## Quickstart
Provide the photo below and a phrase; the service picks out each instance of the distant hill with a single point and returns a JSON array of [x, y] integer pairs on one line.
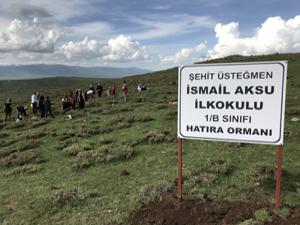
[[12, 72]]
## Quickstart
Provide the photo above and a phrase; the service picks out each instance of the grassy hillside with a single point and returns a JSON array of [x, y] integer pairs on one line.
[[116, 156]]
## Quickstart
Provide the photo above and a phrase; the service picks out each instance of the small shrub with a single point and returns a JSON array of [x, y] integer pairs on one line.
[[126, 109], [116, 152], [283, 212], [27, 168], [152, 193], [116, 119], [196, 177], [66, 143], [249, 222], [88, 132], [28, 145], [19, 159], [143, 118], [121, 126], [161, 106], [18, 147], [4, 135], [292, 111], [2, 125], [264, 174], [65, 136], [219, 166], [171, 116], [130, 119], [38, 123], [70, 197], [77, 148], [5, 143], [81, 164], [16, 125], [34, 135], [290, 134], [106, 141], [158, 136], [263, 216]]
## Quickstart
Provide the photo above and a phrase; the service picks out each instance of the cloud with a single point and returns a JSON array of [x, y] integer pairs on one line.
[[274, 35], [184, 54], [157, 26], [123, 48], [27, 11], [55, 10], [28, 36], [162, 7], [119, 49], [86, 49], [92, 29]]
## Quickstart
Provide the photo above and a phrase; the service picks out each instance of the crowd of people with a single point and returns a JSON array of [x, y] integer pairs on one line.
[[42, 106]]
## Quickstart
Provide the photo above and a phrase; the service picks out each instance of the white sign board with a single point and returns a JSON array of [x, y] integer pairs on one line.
[[238, 102]]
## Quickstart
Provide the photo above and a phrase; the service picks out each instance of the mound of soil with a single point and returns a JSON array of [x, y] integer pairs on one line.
[[294, 219], [124, 173], [171, 211]]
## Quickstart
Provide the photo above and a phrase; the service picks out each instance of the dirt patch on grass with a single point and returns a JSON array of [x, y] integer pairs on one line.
[[294, 219], [169, 211]]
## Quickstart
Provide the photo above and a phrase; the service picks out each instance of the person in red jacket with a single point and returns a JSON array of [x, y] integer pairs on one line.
[[125, 90], [113, 89]]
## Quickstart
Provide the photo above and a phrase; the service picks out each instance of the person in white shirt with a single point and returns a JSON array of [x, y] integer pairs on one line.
[[34, 102]]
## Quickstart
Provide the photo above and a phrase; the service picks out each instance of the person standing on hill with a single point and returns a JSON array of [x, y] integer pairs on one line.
[[7, 109], [108, 91], [81, 99], [41, 106], [72, 100], [125, 90], [92, 89], [113, 89], [99, 89], [34, 102], [47, 107]]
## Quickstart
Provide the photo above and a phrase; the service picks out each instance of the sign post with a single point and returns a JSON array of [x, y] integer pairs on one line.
[[235, 102], [278, 176], [179, 180]]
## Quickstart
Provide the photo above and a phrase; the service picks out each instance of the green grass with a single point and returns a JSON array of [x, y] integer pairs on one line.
[[59, 171]]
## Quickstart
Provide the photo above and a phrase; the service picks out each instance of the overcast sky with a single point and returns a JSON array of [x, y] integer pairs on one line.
[[152, 34]]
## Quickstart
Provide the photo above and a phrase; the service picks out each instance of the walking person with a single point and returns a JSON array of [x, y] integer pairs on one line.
[[125, 90], [113, 89], [41, 106], [108, 91], [72, 100], [47, 107], [99, 89], [34, 102], [7, 109], [81, 99]]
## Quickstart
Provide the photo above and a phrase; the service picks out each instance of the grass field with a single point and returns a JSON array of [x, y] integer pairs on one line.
[[116, 156]]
